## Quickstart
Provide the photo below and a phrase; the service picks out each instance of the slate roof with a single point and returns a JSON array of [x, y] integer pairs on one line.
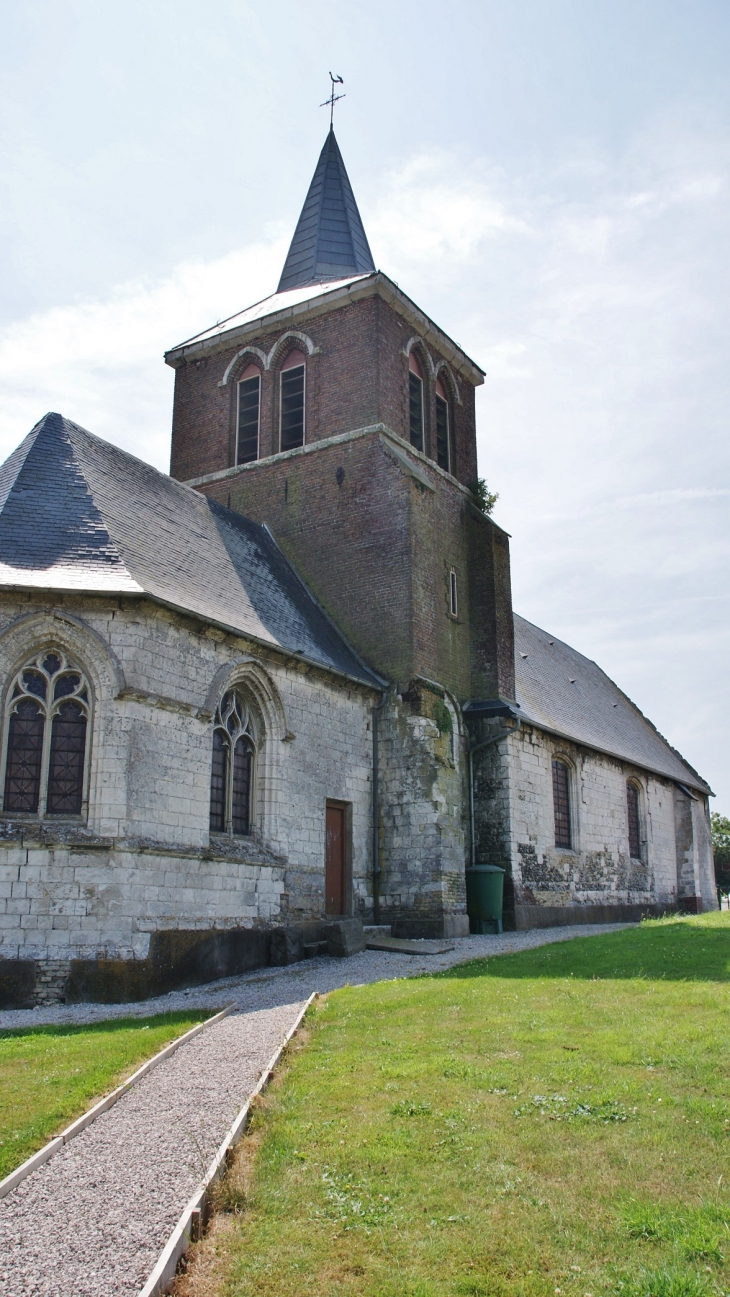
[[560, 690], [78, 514], [329, 241]]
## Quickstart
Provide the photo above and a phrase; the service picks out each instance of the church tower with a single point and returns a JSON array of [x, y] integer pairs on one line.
[[338, 414]]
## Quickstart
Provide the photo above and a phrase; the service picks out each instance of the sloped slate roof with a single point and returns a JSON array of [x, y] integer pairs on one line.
[[77, 513], [329, 241], [560, 690]]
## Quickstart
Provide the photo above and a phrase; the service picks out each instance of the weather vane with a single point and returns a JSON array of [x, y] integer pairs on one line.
[[336, 81]]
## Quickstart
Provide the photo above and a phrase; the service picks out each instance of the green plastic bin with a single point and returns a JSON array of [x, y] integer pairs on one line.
[[484, 895]]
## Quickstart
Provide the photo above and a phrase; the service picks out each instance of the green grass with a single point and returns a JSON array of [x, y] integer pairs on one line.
[[50, 1075], [552, 1121]]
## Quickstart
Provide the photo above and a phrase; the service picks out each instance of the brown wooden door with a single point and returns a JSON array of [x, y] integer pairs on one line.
[[334, 870]]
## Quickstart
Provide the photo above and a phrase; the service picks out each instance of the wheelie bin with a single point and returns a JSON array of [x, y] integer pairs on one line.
[[484, 896]]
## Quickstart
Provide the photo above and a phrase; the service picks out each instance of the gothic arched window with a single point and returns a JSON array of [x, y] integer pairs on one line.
[[46, 738], [633, 814], [415, 402], [292, 394], [561, 804], [232, 771]]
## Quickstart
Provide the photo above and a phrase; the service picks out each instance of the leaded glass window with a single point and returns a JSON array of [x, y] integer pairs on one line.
[[46, 738], [632, 808], [249, 407], [561, 804], [232, 769]]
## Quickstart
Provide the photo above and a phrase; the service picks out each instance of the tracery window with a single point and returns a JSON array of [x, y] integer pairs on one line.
[[292, 394], [46, 738], [415, 402], [632, 809], [561, 804], [442, 427], [232, 770], [249, 415]]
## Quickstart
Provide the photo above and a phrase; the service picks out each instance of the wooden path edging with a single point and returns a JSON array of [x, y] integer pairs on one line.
[[27, 1168], [190, 1225]]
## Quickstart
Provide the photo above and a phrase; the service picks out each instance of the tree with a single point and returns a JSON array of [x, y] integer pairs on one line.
[[721, 849], [484, 499]]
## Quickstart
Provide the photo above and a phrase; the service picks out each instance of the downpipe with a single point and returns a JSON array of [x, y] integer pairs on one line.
[[375, 712], [479, 747]]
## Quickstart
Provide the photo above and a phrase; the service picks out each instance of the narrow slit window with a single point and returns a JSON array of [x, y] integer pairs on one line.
[[442, 427], [561, 804], [415, 403], [292, 401], [632, 807], [249, 416], [453, 594]]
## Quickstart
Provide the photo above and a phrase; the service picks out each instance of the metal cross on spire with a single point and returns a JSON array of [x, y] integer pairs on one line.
[[336, 81]]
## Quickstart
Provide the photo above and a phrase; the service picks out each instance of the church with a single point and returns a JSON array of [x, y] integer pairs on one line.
[[286, 682]]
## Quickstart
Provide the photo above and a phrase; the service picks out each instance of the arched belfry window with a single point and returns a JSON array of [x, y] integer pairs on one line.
[[46, 738], [249, 415], [443, 431], [232, 771], [292, 381], [415, 402]]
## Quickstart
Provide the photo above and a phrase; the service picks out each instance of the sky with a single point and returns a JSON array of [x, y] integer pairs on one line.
[[549, 181]]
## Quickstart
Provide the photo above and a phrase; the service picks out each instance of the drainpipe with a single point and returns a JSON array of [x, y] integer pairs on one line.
[[478, 747], [376, 813]]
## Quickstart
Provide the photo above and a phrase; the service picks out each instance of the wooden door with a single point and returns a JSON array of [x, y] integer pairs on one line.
[[334, 870]]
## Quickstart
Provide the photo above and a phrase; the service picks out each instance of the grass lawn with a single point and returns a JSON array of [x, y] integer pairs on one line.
[[49, 1075], [551, 1122]]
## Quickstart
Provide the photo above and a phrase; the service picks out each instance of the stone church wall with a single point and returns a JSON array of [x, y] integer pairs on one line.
[[596, 880], [423, 821], [144, 861]]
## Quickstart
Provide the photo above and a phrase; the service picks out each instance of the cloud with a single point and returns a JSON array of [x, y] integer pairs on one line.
[[101, 362]]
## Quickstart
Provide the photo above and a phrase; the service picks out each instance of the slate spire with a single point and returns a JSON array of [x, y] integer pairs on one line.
[[329, 241]]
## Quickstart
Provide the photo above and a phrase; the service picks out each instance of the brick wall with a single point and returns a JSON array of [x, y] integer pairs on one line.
[[357, 375]]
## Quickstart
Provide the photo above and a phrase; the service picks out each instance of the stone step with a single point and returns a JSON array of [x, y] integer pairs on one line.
[[313, 949], [376, 930], [404, 946]]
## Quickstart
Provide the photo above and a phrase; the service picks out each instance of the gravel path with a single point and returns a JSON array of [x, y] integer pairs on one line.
[[93, 1220]]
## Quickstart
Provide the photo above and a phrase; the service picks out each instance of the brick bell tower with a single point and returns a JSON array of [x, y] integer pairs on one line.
[[339, 414]]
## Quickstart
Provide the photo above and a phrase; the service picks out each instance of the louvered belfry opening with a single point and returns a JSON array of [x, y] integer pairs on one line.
[[232, 769], [415, 403], [292, 397], [249, 414], [442, 427], [561, 804], [47, 733]]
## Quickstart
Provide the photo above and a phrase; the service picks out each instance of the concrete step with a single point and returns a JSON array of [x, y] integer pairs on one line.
[[376, 930]]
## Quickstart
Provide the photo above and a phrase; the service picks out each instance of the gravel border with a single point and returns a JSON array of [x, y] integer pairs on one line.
[[267, 987]]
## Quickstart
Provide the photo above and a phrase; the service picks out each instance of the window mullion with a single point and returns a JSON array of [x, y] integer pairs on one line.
[[45, 763]]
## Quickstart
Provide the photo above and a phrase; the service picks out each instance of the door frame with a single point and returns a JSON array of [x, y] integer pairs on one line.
[[347, 808]]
